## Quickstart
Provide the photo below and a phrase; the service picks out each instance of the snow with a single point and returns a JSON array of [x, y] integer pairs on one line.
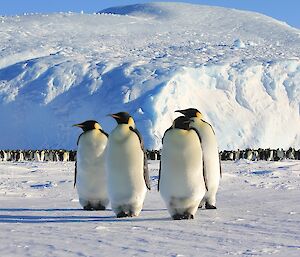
[[240, 69], [258, 215]]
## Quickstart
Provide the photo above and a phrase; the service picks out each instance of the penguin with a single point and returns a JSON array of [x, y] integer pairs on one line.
[[127, 167], [72, 156], [30, 155], [42, 155], [211, 158], [65, 157], [249, 154], [36, 156], [55, 156], [19, 156], [181, 180], [90, 177]]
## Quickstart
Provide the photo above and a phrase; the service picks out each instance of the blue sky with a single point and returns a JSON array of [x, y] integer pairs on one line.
[[284, 10]]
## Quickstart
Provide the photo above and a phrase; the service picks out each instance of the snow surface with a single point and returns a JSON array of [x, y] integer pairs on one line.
[[258, 215], [241, 69]]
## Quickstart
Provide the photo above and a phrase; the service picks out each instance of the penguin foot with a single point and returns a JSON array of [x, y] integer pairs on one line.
[[177, 217], [88, 207], [190, 217], [209, 206], [185, 216], [122, 215], [99, 207], [132, 214]]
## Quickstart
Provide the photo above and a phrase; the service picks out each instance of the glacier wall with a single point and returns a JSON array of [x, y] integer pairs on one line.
[[249, 103]]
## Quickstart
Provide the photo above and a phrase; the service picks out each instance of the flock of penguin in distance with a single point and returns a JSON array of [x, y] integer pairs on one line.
[[114, 168]]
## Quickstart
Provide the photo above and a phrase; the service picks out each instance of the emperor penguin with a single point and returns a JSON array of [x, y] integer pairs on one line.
[[181, 182], [36, 156], [90, 177], [65, 156], [42, 155], [127, 167], [211, 159]]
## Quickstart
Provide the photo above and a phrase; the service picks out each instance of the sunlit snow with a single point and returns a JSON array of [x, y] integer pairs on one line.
[[257, 215]]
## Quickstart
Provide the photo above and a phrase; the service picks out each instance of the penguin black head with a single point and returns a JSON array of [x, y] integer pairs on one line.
[[88, 125], [123, 118], [190, 113], [181, 122]]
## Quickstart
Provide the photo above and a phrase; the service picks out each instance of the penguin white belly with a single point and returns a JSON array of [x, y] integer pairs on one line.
[[91, 176], [42, 157], [125, 173], [37, 156], [211, 160], [66, 156], [181, 179]]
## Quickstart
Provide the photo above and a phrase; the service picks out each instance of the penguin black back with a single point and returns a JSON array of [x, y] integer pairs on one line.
[[181, 122]]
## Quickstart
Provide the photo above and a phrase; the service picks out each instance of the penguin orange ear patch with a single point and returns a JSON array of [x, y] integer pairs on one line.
[[97, 126], [131, 122], [198, 115]]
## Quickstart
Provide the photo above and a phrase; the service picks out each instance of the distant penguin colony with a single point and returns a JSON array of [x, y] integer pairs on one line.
[[225, 155], [38, 155]]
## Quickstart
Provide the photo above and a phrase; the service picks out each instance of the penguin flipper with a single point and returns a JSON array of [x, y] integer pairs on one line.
[[220, 167], [79, 138], [162, 141], [209, 125], [205, 182], [146, 171], [103, 132], [159, 172], [75, 173]]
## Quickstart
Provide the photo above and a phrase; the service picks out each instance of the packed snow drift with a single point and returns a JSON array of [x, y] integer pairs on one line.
[[240, 69]]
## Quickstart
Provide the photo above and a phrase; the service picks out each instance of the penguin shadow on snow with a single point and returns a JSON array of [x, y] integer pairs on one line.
[[8, 218]]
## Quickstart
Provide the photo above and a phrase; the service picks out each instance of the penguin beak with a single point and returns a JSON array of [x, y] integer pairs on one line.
[[78, 125], [115, 116], [180, 111]]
